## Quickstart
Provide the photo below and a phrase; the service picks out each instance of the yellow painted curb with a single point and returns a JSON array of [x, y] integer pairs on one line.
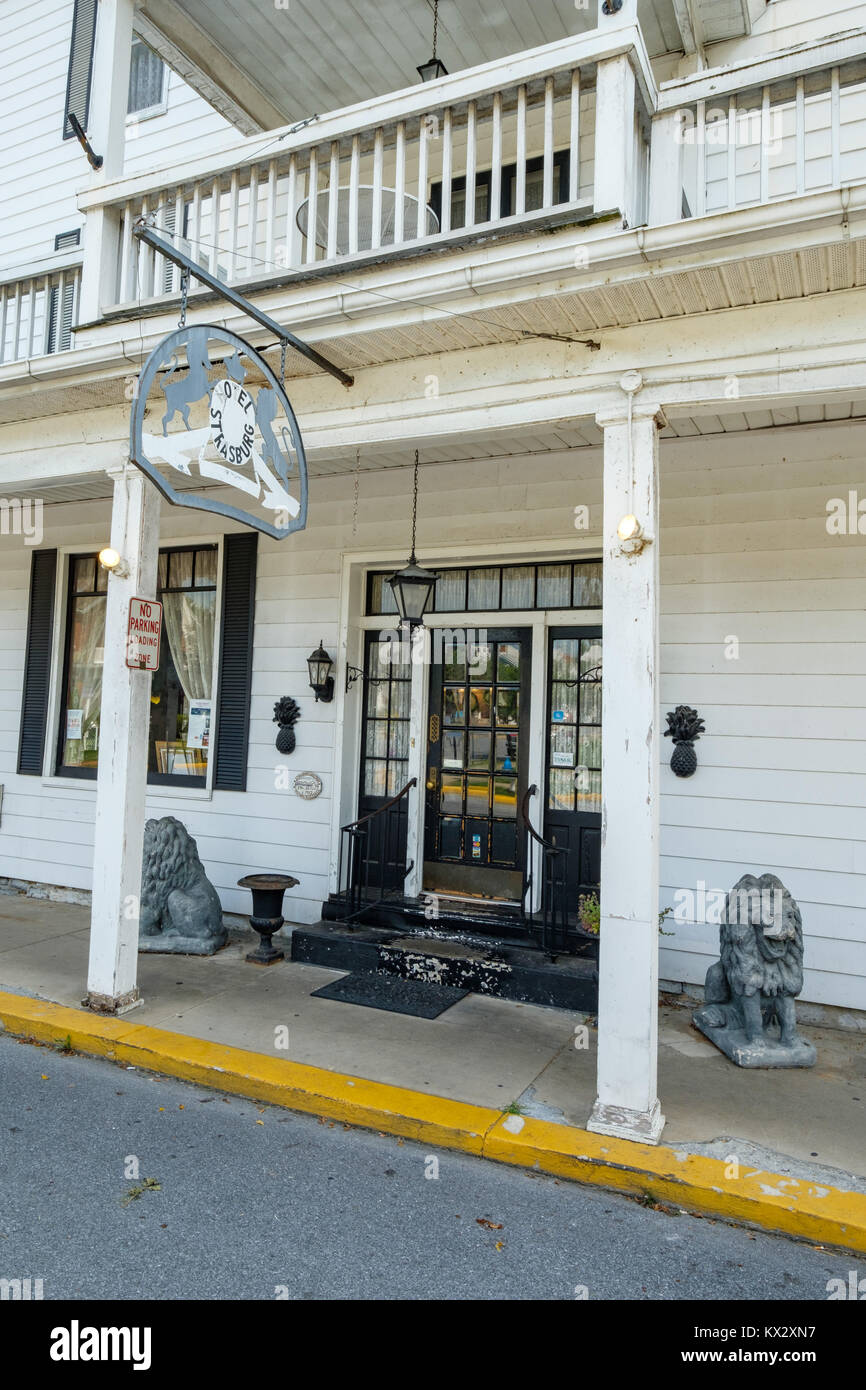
[[823, 1215]]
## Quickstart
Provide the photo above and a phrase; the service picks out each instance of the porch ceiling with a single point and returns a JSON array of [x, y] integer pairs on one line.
[[481, 447], [283, 63], [418, 330]]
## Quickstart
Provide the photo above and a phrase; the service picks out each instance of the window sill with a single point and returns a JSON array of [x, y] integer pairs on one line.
[[154, 791]]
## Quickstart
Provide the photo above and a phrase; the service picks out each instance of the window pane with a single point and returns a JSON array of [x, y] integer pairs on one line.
[[589, 747], [398, 742], [518, 586], [588, 790], [84, 682], [505, 797], [453, 744], [162, 570], [181, 701], [377, 698], [480, 658], [381, 595], [205, 568], [397, 777], [508, 662], [564, 659], [450, 594], [375, 777], [401, 693], [180, 569], [506, 753], [590, 703], [479, 752], [564, 703], [587, 586], [101, 579], [377, 738], [454, 706], [484, 589], [452, 794], [146, 77], [85, 574], [562, 745], [477, 796], [554, 586], [561, 795], [508, 707], [480, 705]]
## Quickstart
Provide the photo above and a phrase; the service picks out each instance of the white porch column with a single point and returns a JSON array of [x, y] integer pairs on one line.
[[666, 170], [627, 1104], [109, 97], [615, 96], [121, 782]]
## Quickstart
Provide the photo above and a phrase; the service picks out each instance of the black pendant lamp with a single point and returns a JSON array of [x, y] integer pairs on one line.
[[434, 67], [413, 586]]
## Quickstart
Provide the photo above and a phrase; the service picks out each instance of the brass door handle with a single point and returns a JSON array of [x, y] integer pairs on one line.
[[431, 779]]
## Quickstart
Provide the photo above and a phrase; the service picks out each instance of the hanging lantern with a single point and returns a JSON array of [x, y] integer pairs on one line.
[[413, 587], [434, 67]]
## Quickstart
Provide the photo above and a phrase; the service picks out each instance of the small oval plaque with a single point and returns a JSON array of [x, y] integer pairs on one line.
[[308, 785]]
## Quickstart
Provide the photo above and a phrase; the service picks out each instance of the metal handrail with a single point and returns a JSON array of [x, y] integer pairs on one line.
[[554, 882], [361, 848]]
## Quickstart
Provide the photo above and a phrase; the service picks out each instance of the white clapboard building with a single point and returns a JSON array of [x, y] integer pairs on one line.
[[603, 266]]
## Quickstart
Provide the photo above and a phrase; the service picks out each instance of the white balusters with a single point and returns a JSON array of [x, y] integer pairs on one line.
[[333, 200], [399, 182], [520, 199], [423, 164], [800, 119], [835, 129], [378, 168], [271, 214], [312, 205], [471, 162], [447, 167], [234, 205], [354, 182], [496, 160], [253, 266], [547, 160], [293, 234], [574, 139]]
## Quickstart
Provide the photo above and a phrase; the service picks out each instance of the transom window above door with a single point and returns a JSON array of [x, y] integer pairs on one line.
[[501, 588], [182, 688]]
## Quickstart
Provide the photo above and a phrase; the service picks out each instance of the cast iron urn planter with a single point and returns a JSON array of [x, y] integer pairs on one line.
[[287, 712], [267, 915], [684, 727]]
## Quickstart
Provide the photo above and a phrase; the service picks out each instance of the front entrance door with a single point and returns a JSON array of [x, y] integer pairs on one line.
[[573, 781], [476, 766]]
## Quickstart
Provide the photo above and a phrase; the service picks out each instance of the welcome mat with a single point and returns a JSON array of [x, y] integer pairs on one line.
[[419, 998]]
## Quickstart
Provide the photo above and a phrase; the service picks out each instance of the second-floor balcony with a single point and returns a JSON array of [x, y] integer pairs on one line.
[[577, 135]]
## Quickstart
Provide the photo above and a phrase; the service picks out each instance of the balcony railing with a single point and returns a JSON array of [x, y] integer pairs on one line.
[[801, 135], [37, 313], [487, 151]]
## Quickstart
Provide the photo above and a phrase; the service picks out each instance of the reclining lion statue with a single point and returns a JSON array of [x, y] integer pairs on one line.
[[755, 982], [180, 908]]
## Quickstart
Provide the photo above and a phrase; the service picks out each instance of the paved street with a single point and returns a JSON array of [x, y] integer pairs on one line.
[[254, 1200]]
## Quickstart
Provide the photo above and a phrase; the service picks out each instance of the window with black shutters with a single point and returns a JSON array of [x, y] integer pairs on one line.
[[80, 65], [37, 667]]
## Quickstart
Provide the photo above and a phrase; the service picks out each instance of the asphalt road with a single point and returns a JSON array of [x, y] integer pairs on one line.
[[257, 1203]]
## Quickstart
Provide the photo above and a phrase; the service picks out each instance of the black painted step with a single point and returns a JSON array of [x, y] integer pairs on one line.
[[464, 960]]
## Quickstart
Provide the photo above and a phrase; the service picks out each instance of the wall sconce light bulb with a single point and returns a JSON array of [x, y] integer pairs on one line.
[[629, 528], [114, 563]]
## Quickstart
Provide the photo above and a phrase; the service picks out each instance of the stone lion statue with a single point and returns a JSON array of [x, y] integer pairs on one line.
[[180, 908], [757, 978]]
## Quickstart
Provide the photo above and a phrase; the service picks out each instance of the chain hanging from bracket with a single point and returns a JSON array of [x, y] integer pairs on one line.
[[283, 347], [184, 295], [356, 492]]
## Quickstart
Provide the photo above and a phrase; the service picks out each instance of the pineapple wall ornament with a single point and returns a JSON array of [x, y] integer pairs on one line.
[[287, 712], [684, 727]]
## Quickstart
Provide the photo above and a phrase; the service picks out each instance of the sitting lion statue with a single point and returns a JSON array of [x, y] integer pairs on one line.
[[179, 904], [758, 977]]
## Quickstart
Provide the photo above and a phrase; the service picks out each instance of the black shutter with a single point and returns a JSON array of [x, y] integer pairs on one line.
[[236, 662], [37, 667], [80, 65]]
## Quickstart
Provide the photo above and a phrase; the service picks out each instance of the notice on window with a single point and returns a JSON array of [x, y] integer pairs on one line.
[[143, 634], [198, 730], [74, 718], [562, 759]]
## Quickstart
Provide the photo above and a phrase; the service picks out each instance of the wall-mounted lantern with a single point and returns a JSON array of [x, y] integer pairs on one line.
[[113, 563], [321, 681]]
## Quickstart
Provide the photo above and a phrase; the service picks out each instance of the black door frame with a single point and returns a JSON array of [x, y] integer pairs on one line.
[[584, 854], [494, 875]]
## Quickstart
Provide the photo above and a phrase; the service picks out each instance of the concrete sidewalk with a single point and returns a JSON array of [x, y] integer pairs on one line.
[[482, 1052]]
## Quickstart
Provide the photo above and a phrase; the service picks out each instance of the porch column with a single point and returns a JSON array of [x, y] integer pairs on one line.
[[121, 782], [615, 104], [109, 97], [627, 1104]]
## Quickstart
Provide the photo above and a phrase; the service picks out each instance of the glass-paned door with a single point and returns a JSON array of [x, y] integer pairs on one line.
[[573, 773], [384, 739], [476, 766]]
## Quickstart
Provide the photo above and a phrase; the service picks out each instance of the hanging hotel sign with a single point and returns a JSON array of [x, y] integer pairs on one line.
[[213, 428], [143, 633]]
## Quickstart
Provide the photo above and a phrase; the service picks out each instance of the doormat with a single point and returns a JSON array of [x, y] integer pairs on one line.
[[419, 998]]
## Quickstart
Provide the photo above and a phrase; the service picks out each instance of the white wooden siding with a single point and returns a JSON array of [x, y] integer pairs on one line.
[[41, 170], [781, 783]]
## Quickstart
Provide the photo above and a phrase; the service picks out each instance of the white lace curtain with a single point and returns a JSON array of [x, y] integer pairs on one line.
[[189, 627], [85, 674]]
